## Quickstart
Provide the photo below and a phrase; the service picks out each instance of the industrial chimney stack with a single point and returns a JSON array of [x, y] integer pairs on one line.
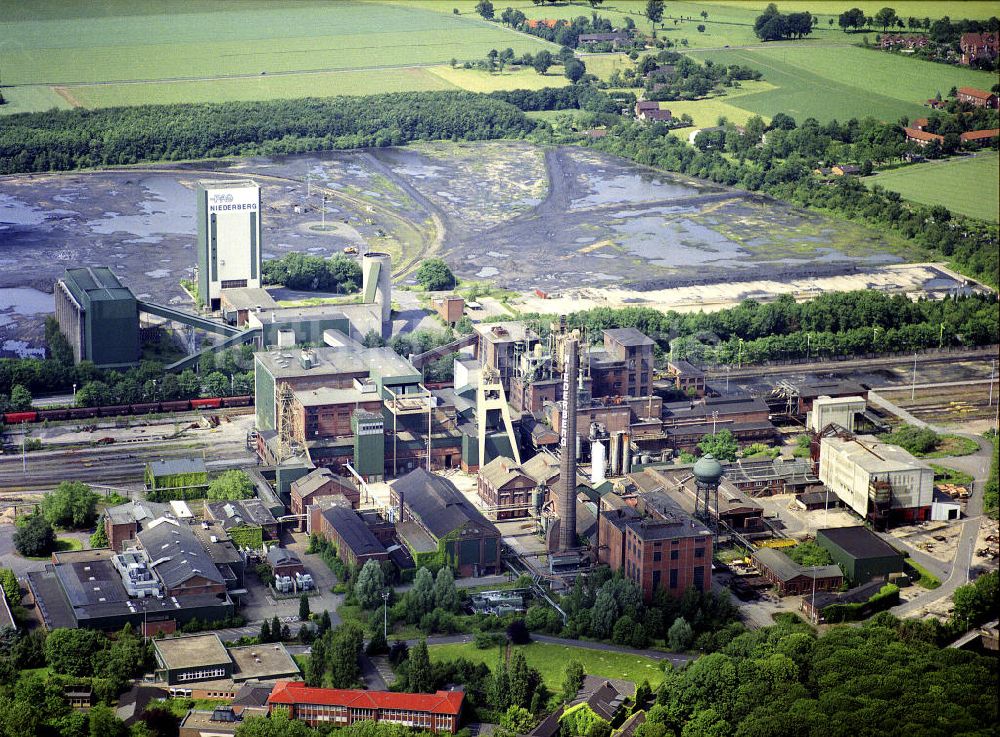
[[567, 454]]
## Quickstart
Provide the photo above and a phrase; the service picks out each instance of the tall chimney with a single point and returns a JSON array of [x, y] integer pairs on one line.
[[567, 454]]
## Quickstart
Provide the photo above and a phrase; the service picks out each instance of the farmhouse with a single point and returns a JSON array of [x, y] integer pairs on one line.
[[618, 38], [649, 111], [976, 97], [891, 41], [976, 46], [922, 138]]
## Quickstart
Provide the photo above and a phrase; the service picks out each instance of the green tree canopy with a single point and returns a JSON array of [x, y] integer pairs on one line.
[[722, 445], [370, 585], [232, 484], [34, 537], [70, 504], [434, 275]]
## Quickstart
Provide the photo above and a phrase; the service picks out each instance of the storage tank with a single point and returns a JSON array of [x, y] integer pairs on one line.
[[376, 283], [615, 468], [597, 469]]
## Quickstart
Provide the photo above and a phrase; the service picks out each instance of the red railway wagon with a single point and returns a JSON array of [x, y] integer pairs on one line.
[[177, 405], [12, 418], [212, 403]]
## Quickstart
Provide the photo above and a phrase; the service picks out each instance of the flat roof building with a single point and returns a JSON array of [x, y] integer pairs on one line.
[[98, 316], [879, 481], [861, 553], [229, 245]]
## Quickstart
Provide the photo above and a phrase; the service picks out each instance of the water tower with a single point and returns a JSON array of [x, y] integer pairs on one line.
[[707, 475]]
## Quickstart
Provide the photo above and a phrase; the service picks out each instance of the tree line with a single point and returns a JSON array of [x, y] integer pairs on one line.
[[72, 139], [314, 273], [838, 323]]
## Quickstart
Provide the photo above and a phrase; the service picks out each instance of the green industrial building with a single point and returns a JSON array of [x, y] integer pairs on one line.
[[98, 316], [860, 553], [176, 479]]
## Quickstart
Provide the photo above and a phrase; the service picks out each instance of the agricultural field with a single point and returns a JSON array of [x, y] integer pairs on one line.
[[551, 661], [969, 185], [707, 112], [843, 82], [65, 44]]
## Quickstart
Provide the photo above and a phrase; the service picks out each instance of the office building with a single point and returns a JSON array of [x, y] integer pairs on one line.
[[229, 245]]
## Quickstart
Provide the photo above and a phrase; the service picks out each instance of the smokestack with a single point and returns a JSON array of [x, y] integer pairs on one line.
[[567, 456]]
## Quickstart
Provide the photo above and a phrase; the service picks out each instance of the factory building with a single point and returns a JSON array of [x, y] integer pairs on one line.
[[229, 244], [98, 316], [655, 544], [880, 482], [104, 590], [437, 523], [841, 411], [863, 555]]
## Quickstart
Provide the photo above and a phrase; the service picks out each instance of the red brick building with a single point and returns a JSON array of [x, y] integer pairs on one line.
[[449, 308], [977, 98], [979, 46], [326, 412], [437, 712], [317, 484], [502, 484], [654, 546]]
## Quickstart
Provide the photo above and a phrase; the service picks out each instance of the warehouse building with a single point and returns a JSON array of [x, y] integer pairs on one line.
[[85, 589], [436, 522], [247, 521], [792, 579], [229, 246], [356, 544], [861, 553], [98, 316], [122, 522], [881, 482], [317, 484]]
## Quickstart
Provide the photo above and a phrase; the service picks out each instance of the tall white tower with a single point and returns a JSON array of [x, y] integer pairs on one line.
[[229, 247]]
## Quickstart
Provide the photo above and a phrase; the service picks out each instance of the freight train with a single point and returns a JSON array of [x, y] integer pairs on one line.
[[122, 410]]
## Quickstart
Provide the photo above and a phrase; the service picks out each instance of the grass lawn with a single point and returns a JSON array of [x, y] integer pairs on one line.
[[64, 42], [706, 113], [478, 80], [953, 445], [843, 82], [943, 475], [63, 544], [921, 576], [551, 660], [969, 185]]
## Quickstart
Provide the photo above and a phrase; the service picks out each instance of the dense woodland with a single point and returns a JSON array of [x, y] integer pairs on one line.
[[835, 324], [73, 139]]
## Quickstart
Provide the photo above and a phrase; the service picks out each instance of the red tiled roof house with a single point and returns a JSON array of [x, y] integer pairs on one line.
[[438, 712], [922, 138], [979, 45], [979, 98]]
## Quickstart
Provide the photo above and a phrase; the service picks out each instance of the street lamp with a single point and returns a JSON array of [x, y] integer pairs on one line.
[[74, 394], [385, 615]]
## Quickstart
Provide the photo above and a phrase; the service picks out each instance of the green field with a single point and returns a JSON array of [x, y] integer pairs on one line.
[[967, 185], [185, 50], [844, 82], [551, 660]]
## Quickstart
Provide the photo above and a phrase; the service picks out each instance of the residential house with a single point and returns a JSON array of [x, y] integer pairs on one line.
[[650, 111], [922, 138], [975, 46], [977, 97], [979, 138]]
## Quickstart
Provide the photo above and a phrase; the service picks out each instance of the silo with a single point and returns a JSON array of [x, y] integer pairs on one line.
[[376, 283]]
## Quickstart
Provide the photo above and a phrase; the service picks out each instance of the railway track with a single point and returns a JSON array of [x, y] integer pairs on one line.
[[852, 364]]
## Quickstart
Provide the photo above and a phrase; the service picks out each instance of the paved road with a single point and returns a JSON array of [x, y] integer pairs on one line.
[[978, 466]]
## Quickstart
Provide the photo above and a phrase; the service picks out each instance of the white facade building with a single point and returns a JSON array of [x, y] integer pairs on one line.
[[838, 410], [876, 479], [229, 247]]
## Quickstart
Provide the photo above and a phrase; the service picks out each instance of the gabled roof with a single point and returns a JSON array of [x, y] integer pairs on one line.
[[297, 692], [501, 471], [983, 135], [312, 481], [542, 468], [277, 555], [974, 92], [602, 697], [353, 531], [437, 503], [177, 555], [787, 569]]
